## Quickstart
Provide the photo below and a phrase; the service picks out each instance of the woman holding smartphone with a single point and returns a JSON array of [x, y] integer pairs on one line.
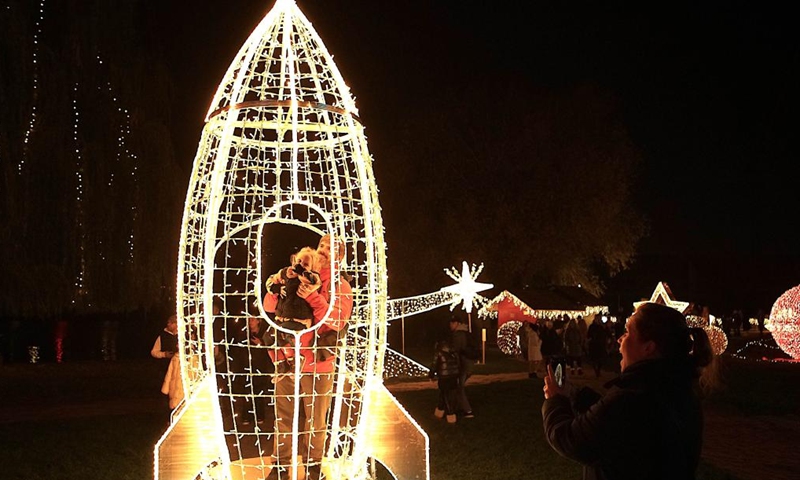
[[649, 423]]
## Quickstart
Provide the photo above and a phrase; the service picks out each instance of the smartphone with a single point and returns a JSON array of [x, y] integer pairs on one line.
[[559, 367]]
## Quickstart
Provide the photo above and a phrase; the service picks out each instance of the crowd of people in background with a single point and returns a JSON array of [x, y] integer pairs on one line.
[[578, 341]]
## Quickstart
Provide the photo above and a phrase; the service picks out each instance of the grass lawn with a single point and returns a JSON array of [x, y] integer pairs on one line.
[[504, 441]]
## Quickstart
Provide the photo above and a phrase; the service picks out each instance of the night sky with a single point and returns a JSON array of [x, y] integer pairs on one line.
[[708, 94]]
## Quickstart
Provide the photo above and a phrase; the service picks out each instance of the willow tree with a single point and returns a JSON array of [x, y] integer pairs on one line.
[[89, 207]]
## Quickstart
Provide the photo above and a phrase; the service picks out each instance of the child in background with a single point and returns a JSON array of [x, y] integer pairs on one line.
[[445, 369]]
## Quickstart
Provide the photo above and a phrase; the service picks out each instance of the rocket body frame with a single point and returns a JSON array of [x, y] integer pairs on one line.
[[282, 144]]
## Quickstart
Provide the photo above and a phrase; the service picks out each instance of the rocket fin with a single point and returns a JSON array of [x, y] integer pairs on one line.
[[395, 439], [192, 444]]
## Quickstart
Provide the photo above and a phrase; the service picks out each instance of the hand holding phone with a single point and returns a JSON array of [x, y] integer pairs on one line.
[[559, 375], [559, 365], [555, 379]]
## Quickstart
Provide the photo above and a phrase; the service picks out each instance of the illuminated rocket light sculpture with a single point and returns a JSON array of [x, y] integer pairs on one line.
[[282, 144]]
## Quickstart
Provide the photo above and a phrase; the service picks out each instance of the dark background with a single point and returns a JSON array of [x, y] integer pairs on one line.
[[707, 92]]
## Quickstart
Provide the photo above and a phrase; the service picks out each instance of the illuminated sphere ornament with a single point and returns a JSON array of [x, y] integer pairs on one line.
[[785, 322], [508, 338], [717, 338], [696, 321]]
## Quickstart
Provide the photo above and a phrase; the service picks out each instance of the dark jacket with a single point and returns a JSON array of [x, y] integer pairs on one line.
[[597, 339], [445, 362], [169, 342], [290, 305], [551, 344], [647, 426]]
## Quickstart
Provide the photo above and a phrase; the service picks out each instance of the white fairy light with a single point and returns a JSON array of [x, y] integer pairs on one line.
[[124, 156], [663, 295], [508, 338], [79, 210], [466, 290], [37, 32], [282, 144]]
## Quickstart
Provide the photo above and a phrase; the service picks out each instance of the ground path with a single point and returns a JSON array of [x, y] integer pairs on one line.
[[750, 447]]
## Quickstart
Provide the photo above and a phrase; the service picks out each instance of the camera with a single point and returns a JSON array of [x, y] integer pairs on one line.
[[300, 270]]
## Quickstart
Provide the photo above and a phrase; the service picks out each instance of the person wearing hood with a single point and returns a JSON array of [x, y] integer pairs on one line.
[[649, 424]]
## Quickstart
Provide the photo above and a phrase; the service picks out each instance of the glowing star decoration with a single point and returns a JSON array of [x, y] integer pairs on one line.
[[466, 290], [282, 144], [785, 322], [663, 296]]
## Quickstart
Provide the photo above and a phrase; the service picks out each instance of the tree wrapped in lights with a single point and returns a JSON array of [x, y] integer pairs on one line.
[[785, 322], [84, 221]]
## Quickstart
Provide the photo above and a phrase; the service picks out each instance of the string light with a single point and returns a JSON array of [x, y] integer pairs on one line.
[[397, 365], [663, 295], [124, 157], [490, 309], [282, 143], [79, 210], [777, 355], [508, 338], [717, 338], [464, 292], [466, 289], [37, 32], [405, 307]]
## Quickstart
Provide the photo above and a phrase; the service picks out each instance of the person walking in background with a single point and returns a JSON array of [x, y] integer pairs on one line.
[[760, 318], [166, 347], [597, 339], [461, 343], [166, 344], [737, 323], [649, 424], [583, 327], [534, 348], [446, 369], [573, 346], [551, 342]]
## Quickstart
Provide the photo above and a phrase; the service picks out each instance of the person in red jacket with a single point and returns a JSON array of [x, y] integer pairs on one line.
[[317, 362]]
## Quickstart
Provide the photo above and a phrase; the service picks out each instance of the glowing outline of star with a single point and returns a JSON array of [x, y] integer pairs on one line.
[[662, 290], [466, 288]]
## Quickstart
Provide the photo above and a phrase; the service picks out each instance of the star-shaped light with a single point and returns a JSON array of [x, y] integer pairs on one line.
[[663, 295], [467, 288]]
